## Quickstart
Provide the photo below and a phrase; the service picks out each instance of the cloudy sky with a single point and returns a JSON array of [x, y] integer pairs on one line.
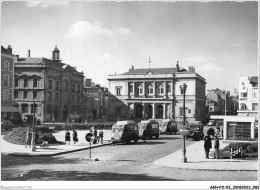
[[101, 38]]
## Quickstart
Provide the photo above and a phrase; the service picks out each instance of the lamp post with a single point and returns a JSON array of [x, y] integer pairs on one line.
[[184, 131], [33, 128]]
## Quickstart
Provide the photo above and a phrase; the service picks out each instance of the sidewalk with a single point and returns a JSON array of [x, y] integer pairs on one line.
[[196, 160], [53, 150]]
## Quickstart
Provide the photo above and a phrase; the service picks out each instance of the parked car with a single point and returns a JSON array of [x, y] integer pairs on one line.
[[168, 126], [124, 132], [212, 123], [195, 131], [148, 129], [7, 125]]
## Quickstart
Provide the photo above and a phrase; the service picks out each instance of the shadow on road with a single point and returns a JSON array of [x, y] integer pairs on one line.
[[39, 175], [147, 142]]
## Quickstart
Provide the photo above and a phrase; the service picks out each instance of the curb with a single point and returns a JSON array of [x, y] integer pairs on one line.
[[200, 169], [52, 154]]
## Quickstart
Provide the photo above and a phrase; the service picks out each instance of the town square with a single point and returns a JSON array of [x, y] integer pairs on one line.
[[129, 95]]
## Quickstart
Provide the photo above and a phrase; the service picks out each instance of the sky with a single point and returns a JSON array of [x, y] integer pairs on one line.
[[220, 39]]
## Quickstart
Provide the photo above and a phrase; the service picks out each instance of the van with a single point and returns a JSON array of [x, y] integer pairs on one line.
[[168, 126], [148, 129], [124, 132]]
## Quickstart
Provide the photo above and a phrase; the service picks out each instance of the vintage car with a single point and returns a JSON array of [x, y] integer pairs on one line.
[[7, 125], [124, 132], [148, 129], [168, 126], [195, 130]]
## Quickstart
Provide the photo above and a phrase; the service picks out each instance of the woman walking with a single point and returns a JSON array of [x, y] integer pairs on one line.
[[67, 137], [207, 144]]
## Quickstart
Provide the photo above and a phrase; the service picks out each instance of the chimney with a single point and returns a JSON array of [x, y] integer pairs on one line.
[[9, 49], [191, 69], [177, 66], [29, 53], [17, 57]]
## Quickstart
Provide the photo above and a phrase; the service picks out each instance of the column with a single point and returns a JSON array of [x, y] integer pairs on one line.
[[128, 89], [224, 129], [154, 88], [165, 89], [153, 110], [134, 89], [144, 88], [252, 130]]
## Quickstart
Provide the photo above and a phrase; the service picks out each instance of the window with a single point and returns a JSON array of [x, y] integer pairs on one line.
[[161, 89], [56, 96], [25, 95], [35, 108], [78, 88], [66, 85], [34, 95], [243, 107], [15, 82], [169, 89], [50, 84], [189, 110], [49, 96], [25, 83], [244, 95], [236, 129], [255, 107], [181, 112], [150, 89], [6, 80], [73, 87], [139, 89], [6, 65], [78, 98], [25, 108], [131, 88], [35, 83], [15, 94], [73, 98], [5, 95], [57, 85], [118, 90]]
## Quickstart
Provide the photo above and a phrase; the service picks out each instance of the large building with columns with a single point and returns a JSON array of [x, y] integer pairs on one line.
[[52, 87], [155, 93]]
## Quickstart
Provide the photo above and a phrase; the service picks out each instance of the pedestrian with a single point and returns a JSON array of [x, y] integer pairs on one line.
[[75, 136], [216, 146], [95, 136], [28, 138], [36, 137], [222, 133], [207, 144], [101, 135], [38, 122], [67, 137]]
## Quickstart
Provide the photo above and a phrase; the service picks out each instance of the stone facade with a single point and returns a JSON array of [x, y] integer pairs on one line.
[[95, 104], [155, 93], [54, 88], [9, 109]]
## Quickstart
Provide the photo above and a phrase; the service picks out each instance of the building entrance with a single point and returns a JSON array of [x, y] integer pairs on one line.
[[139, 111], [149, 112]]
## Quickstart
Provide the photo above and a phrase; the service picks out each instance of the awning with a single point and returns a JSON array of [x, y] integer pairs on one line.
[[9, 109]]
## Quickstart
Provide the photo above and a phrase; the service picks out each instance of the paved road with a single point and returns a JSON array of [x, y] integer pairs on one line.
[[117, 162]]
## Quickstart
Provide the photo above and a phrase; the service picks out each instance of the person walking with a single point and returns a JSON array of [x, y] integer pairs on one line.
[[67, 137], [207, 144], [101, 135], [75, 136], [28, 138], [95, 136], [216, 146]]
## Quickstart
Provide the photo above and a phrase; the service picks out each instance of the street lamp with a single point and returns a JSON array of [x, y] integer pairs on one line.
[[33, 128], [184, 131]]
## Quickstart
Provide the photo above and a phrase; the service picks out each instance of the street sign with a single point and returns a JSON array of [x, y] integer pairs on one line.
[[89, 137], [184, 131]]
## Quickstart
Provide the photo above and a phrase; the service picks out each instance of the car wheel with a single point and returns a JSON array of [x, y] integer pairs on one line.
[[136, 140], [156, 136]]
